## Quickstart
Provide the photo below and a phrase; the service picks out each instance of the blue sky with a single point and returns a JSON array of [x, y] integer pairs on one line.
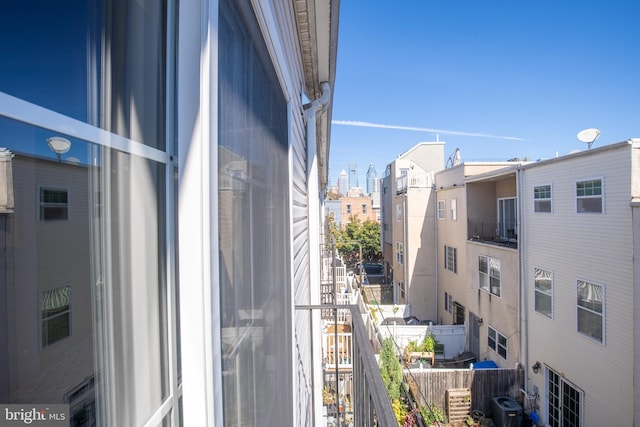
[[497, 79]]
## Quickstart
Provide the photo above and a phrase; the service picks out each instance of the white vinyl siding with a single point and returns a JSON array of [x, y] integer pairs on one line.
[[302, 209], [595, 248]]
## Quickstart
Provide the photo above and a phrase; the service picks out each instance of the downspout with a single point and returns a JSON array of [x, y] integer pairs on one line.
[[405, 251], [313, 189], [522, 292], [312, 109], [437, 251]]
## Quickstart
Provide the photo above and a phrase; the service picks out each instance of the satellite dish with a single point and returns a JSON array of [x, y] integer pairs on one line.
[[59, 145], [588, 136], [454, 159]]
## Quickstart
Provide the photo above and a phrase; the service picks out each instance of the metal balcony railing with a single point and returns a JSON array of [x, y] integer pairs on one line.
[[372, 406], [413, 180], [366, 402], [504, 233]]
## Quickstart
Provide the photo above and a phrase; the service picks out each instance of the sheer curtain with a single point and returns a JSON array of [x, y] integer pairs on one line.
[[131, 218], [254, 255]]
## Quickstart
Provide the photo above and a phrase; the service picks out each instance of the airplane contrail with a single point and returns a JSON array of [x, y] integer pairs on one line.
[[421, 129]]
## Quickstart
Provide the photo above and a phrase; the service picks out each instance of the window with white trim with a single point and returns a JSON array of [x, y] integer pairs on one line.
[[565, 401], [497, 342], [55, 315], [54, 204], [507, 218], [399, 252], [542, 198], [453, 205], [118, 173], [590, 309], [589, 196], [398, 212], [543, 291], [442, 209], [451, 259], [448, 302], [489, 274]]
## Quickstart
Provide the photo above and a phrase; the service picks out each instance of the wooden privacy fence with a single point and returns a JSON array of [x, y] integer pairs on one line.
[[429, 386]]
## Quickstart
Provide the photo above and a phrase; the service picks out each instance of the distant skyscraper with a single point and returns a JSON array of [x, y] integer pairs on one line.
[[343, 182], [353, 175], [371, 179]]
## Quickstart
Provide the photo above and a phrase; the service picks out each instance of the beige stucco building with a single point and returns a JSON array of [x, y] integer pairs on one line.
[[478, 258], [408, 227]]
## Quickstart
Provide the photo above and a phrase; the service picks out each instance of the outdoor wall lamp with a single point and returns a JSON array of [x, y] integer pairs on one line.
[[480, 321], [536, 367]]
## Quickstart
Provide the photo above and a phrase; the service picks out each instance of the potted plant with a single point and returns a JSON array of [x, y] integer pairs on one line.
[[424, 350], [432, 415]]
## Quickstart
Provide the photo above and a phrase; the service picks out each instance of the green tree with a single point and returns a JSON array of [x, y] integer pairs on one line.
[[357, 234]]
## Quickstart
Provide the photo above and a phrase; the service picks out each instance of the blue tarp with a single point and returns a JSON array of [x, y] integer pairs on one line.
[[485, 364]]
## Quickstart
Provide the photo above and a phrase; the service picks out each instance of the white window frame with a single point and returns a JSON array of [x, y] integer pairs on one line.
[[451, 259], [589, 310], [44, 319], [453, 209], [503, 205], [442, 209], [448, 302], [538, 274], [34, 114], [497, 342], [489, 275], [399, 252], [600, 196], [542, 201], [555, 381], [42, 205], [398, 212]]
